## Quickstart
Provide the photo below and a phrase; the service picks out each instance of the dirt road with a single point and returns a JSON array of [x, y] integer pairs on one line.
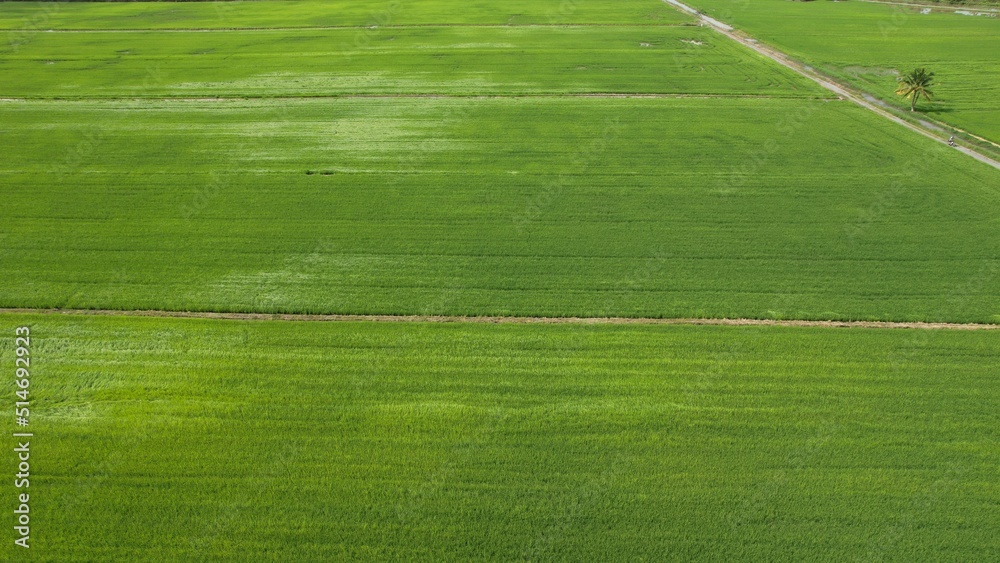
[[824, 81], [501, 320]]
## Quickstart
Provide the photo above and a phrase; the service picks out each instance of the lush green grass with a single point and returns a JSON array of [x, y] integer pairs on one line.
[[866, 43], [159, 439], [674, 207], [286, 13], [721, 207], [442, 60], [195, 440]]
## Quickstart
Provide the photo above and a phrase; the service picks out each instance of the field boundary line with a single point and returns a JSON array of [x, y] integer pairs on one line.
[[339, 27], [827, 82], [946, 7], [306, 317], [570, 95]]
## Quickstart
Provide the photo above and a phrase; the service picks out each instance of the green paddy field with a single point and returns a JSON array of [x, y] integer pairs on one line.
[[318, 13], [551, 158], [444, 60], [169, 440], [555, 207], [868, 44]]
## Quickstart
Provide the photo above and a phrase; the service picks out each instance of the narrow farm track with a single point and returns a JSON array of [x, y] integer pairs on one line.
[[824, 81], [499, 320]]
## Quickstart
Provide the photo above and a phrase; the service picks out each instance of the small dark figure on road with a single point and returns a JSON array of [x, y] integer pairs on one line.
[[951, 141]]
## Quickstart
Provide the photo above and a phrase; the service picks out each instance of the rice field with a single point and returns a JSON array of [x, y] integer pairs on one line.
[[868, 45], [43, 16], [686, 207], [462, 169], [445, 60], [165, 439], [548, 158]]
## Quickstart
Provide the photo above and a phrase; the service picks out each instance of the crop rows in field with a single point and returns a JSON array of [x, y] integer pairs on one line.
[[799, 207], [435, 157], [413, 60], [552, 207], [213, 439], [31, 16], [868, 45]]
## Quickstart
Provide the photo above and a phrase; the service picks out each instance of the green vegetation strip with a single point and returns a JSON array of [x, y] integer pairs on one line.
[[192, 439], [40, 16], [680, 208], [867, 45], [446, 60]]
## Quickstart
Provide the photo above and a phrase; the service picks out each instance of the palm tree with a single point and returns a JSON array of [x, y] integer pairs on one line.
[[914, 84]]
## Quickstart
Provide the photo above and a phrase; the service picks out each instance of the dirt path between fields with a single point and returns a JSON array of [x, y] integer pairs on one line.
[[938, 7], [245, 98], [826, 82], [500, 320], [332, 27]]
